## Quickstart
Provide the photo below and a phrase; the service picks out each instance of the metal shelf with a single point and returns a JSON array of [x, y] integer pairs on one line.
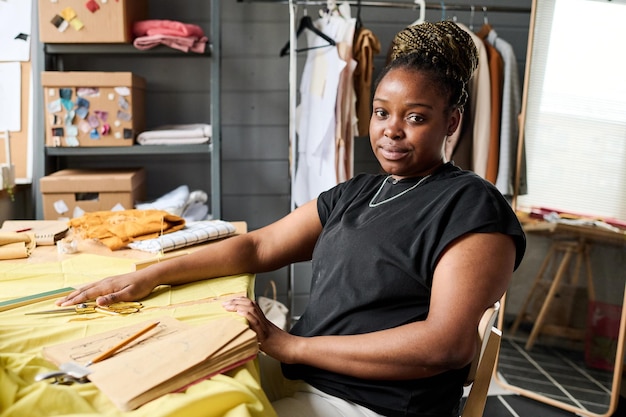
[[118, 49], [129, 150]]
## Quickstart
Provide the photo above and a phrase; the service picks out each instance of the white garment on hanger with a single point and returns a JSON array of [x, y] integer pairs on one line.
[[480, 98], [509, 126], [315, 124]]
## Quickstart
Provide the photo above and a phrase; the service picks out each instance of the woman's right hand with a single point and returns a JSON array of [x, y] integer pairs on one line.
[[132, 286]]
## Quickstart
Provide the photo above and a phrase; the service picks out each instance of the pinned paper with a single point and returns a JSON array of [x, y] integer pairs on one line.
[[128, 133], [93, 134], [111, 96], [105, 129], [58, 131]]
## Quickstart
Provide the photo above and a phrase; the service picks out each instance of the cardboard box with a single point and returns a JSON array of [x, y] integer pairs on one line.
[[93, 108], [65, 191], [89, 21]]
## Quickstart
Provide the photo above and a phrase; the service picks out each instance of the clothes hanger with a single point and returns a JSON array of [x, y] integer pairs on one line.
[[307, 23], [358, 24], [422, 5]]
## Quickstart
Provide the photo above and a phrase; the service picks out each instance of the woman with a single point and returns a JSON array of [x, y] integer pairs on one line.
[[404, 264]]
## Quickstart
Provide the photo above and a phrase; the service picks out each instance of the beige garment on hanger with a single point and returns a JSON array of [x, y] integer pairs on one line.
[[366, 45]]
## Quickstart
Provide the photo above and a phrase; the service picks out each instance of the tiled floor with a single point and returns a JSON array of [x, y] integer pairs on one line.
[[557, 374]]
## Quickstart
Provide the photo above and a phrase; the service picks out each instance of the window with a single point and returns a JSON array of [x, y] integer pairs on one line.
[[575, 126]]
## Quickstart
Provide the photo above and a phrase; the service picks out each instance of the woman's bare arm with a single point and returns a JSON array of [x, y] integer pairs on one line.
[[288, 240], [471, 275]]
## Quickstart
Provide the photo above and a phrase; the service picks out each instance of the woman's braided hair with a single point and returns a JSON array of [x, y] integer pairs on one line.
[[443, 49]]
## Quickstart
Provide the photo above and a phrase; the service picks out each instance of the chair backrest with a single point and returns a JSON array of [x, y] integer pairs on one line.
[[482, 366]]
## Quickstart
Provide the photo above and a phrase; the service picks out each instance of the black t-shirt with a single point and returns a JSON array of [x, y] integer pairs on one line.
[[373, 270]]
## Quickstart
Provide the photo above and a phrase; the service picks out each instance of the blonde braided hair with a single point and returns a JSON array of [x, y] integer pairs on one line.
[[443, 49]]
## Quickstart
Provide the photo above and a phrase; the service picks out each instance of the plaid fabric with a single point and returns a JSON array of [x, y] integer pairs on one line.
[[191, 234]]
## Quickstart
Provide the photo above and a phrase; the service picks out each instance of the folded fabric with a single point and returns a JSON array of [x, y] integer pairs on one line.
[[116, 229], [166, 27], [191, 234], [14, 245], [176, 134], [182, 43]]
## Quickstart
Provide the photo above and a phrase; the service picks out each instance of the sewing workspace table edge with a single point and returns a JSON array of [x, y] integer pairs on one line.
[[236, 393]]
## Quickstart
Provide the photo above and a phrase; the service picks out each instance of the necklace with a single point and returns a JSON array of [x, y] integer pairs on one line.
[[372, 204]]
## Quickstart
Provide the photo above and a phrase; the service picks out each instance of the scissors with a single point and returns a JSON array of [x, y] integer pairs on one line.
[[125, 307]]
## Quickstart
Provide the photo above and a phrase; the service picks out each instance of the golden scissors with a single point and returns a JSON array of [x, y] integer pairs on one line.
[[124, 307]]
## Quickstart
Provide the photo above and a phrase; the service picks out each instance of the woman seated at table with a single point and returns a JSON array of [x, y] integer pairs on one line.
[[404, 264]]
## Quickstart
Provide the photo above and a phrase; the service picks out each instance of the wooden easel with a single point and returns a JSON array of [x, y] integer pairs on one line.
[[567, 251]]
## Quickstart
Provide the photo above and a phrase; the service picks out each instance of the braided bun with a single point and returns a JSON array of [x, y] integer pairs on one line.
[[442, 48]]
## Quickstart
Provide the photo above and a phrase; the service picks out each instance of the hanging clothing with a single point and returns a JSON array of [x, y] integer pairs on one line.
[[366, 46], [315, 124], [469, 145], [509, 125], [345, 108], [496, 76]]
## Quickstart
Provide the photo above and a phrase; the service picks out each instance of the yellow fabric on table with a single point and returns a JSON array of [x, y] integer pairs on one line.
[[235, 394], [116, 229]]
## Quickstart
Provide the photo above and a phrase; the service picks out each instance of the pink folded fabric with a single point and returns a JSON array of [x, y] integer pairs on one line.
[[185, 44], [166, 27]]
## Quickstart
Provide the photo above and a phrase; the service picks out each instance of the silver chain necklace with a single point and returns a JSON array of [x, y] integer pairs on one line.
[[372, 204]]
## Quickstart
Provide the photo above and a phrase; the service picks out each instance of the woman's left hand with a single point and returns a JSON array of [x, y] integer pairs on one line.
[[272, 340]]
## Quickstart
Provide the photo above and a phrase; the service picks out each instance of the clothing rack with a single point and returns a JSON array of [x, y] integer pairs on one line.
[[400, 5], [293, 15]]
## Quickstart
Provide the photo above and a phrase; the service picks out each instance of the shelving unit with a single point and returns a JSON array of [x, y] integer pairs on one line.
[[57, 157]]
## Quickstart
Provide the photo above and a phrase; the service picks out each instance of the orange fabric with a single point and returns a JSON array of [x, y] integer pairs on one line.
[[116, 229], [496, 75]]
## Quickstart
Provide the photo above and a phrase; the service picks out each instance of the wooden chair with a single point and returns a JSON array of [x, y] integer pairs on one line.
[[483, 364]]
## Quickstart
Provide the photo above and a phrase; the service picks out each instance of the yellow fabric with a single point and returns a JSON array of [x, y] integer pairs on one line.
[[116, 229], [235, 394]]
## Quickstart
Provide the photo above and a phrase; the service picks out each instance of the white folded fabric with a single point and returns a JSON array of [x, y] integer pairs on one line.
[[191, 234], [176, 134]]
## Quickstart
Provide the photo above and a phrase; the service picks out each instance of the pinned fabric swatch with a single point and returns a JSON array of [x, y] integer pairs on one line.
[[122, 91], [92, 6], [76, 24], [60, 23]]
